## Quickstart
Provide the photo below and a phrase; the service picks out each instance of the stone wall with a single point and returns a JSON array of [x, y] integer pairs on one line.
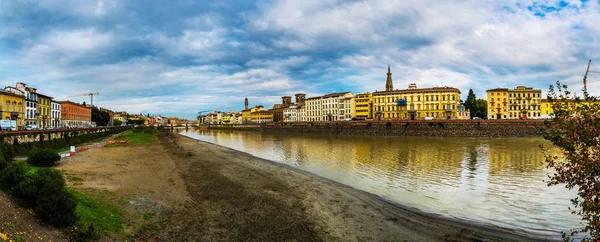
[[465, 128], [21, 137]]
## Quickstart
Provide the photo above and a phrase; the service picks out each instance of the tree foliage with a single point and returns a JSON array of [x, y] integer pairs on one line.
[[480, 108], [100, 117], [117, 122], [470, 103], [575, 129]]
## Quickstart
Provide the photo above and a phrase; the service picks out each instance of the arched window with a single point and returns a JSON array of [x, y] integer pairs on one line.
[[14, 106]]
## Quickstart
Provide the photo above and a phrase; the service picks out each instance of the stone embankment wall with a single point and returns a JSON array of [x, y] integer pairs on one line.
[[464, 128], [28, 136]]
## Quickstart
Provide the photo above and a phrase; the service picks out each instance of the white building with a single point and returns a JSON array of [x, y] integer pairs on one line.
[[294, 113], [346, 107], [55, 114], [313, 109]]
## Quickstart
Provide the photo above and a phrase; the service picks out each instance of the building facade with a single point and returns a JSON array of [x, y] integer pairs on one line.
[[463, 112], [43, 109], [121, 116], [262, 116], [363, 105], [55, 114], [294, 113], [12, 107], [31, 102], [75, 115], [519, 103]]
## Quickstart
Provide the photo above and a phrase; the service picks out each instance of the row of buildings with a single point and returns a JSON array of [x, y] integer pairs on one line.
[[30, 108], [412, 103], [392, 104]]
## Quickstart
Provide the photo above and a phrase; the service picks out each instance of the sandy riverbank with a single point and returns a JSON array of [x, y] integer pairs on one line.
[[201, 191]]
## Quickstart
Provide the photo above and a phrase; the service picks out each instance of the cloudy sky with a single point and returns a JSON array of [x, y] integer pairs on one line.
[[181, 57]]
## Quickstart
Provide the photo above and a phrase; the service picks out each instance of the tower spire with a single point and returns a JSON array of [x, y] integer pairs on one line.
[[389, 86]]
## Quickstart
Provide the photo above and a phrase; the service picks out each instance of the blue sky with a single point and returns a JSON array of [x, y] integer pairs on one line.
[[181, 57]]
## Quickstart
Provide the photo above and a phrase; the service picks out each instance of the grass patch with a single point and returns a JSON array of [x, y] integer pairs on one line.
[[105, 218], [138, 137]]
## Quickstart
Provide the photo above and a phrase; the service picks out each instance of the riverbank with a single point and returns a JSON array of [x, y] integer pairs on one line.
[[237, 196], [180, 189]]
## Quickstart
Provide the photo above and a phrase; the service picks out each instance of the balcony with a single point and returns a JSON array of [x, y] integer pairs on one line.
[[518, 98], [528, 98]]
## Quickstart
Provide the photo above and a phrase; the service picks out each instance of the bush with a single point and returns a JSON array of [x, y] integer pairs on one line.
[[57, 207], [8, 151], [3, 163], [43, 157], [13, 175]]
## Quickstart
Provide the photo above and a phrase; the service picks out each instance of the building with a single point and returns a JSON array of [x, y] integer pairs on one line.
[[547, 110], [43, 110], [111, 116], [294, 113], [55, 114], [363, 105], [31, 102], [12, 108], [463, 112], [277, 109], [121, 116], [415, 103], [330, 107], [262, 116], [75, 115], [519, 103]]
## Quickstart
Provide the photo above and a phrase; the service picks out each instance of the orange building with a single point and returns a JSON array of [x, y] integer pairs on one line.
[[75, 115]]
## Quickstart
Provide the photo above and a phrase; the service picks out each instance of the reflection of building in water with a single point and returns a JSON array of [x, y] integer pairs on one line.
[[504, 155]]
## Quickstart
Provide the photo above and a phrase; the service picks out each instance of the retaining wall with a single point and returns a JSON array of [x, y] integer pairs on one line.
[[466, 128]]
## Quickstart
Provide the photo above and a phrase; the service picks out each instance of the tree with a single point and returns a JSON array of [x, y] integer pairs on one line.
[[470, 103], [479, 108], [84, 103], [100, 117], [117, 122], [574, 129]]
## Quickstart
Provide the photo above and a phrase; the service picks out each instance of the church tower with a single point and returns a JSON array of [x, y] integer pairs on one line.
[[389, 86], [246, 103]]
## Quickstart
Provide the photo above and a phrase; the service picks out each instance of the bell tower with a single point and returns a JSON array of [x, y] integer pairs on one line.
[[389, 86], [245, 103]]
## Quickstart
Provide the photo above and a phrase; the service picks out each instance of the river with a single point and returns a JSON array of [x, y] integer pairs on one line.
[[490, 180]]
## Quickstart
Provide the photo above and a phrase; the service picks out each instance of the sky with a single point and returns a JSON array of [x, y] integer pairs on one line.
[[181, 57]]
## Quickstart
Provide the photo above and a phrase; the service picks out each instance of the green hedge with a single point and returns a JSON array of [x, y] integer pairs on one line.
[[43, 191], [43, 157]]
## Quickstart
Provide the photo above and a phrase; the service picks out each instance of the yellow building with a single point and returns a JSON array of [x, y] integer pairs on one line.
[[262, 116], [12, 108], [44, 110], [363, 106], [519, 103], [547, 109]]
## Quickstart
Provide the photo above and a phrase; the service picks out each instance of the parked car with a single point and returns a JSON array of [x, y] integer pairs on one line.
[[428, 118], [476, 118], [31, 127], [8, 125]]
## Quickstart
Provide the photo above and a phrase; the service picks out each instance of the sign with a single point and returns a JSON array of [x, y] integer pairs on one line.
[[401, 102]]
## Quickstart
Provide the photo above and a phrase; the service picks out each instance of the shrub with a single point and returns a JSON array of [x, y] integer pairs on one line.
[[43, 157], [3, 163], [13, 175], [8, 151], [57, 207]]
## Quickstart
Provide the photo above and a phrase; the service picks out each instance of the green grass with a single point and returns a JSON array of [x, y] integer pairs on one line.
[[105, 218], [138, 138]]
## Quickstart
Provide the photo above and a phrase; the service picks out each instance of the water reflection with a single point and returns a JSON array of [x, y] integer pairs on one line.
[[496, 180]]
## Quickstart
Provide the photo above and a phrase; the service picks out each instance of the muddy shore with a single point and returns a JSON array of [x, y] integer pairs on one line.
[[204, 192]]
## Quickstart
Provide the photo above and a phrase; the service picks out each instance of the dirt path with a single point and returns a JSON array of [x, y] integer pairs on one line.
[[239, 197], [140, 179], [17, 222]]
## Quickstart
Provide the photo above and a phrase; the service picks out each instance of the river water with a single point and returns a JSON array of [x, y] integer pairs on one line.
[[490, 180]]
